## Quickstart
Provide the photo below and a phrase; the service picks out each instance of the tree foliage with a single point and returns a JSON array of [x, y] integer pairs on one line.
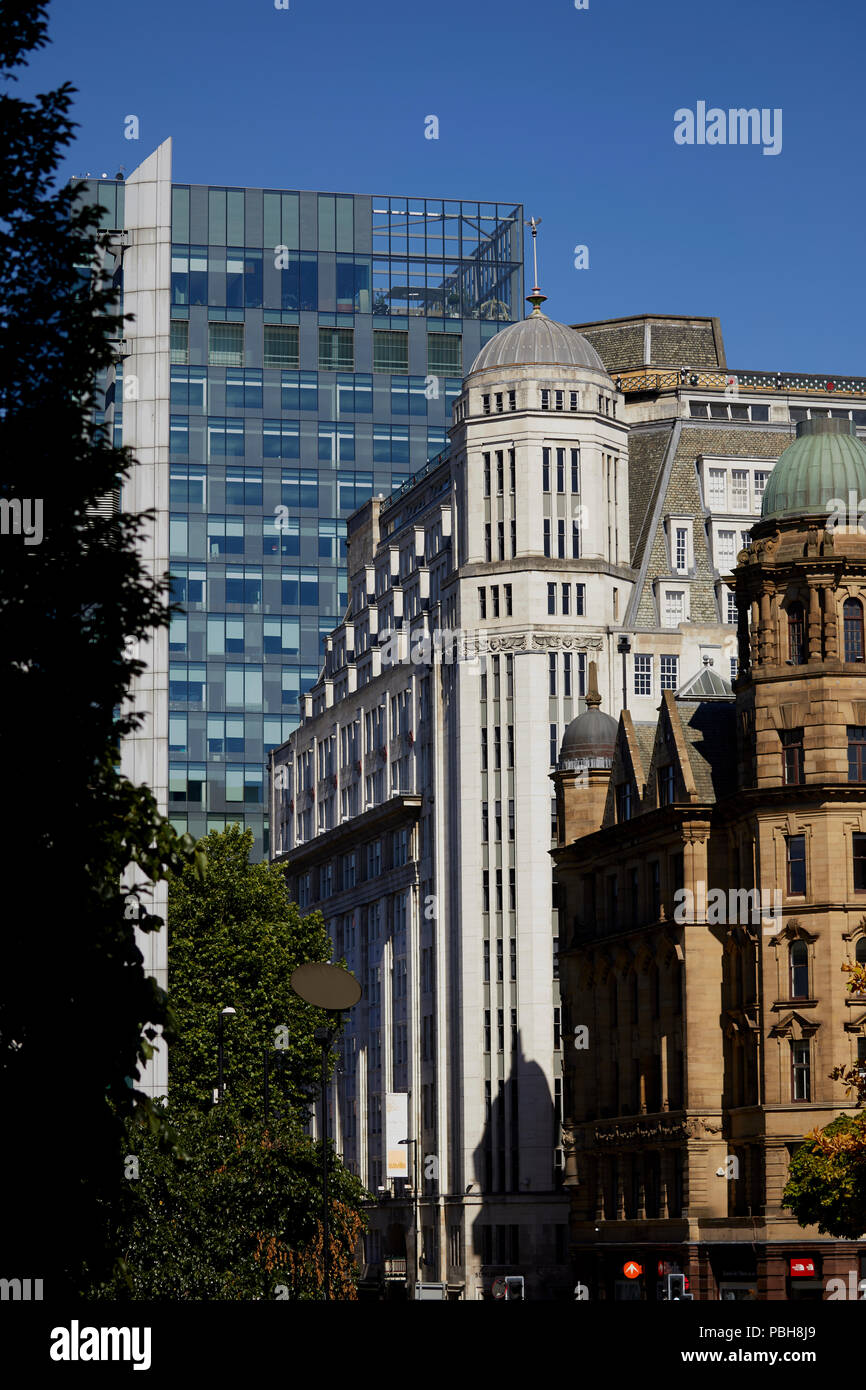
[[234, 1213], [827, 1179], [234, 939], [232, 1208], [74, 600]]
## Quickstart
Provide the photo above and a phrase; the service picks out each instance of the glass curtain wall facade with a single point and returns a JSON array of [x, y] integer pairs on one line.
[[317, 343]]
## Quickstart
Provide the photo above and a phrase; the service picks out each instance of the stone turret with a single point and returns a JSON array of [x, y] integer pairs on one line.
[[583, 770]]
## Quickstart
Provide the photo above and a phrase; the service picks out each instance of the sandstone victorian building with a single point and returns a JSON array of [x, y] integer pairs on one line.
[[700, 1027], [596, 490]]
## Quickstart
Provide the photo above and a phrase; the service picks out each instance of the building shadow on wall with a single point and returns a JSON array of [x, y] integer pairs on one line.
[[514, 1159]]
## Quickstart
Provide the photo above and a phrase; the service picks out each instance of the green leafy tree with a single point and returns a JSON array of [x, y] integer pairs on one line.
[[74, 598], [827, 1179], [234, 939], [234, 1214], [232, 1208]]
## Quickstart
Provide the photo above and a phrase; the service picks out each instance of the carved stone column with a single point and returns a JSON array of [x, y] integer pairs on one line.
[[813, 623], [831, 640], [774, 645], [764, 628], [755, 635]]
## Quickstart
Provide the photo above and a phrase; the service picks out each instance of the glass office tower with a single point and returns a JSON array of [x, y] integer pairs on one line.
[[317, 341]]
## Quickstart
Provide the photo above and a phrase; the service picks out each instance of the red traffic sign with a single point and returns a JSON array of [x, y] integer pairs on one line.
[[632, 1270], [802, 1269], [499, 1287]]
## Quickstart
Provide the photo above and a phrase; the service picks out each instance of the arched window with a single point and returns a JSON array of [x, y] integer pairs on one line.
[[853, 620], [798, 959], [796, 645]]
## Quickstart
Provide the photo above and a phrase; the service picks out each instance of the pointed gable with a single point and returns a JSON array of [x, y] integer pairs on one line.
[[629, 763], [669, 751]]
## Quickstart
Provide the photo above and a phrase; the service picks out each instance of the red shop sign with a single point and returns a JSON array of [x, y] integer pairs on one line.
[[802, 1269]]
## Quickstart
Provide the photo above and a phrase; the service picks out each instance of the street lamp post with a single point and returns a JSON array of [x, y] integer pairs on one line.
[[224, 1014], [624, 647], [416, 1229], [333, 989]]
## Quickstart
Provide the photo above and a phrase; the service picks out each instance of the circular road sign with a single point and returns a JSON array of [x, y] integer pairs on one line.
[[498, 1289], [326, 986]]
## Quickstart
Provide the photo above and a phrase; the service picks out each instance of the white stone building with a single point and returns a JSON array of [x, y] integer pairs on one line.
[[414, 806]]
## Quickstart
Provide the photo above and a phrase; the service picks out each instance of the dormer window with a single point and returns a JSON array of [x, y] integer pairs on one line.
[[623, 801], [680, 545]]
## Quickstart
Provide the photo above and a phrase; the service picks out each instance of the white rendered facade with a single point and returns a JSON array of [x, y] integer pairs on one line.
[[146, 278]]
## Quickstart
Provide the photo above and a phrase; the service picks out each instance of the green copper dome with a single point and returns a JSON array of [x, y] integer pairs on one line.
[[825, 461]]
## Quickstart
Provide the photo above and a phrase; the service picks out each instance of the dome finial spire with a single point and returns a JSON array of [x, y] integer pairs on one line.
[[593, 699], [535, 297]]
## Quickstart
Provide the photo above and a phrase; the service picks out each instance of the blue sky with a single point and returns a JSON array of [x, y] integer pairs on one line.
[[569, 111]]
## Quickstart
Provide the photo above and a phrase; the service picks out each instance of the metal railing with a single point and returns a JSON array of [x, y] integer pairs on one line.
[[785, 383]]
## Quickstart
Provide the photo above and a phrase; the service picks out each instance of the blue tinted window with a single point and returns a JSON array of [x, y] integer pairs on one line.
[[281, 536], [353, 286], [354, 394], [299, 281], [225, 438], [179, 436], [354, 489], [243, 487], [225, 536], [281, 439], [188, 585], [243, 389], [390, 444], [408, 395], [186, 486], [336, 442], [244, 585], [300, 489], [300, 391]]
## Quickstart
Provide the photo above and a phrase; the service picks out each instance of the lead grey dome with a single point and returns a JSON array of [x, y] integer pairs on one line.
[[538, 341], [591, 735]]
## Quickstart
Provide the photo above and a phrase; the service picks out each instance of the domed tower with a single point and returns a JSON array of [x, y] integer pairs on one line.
[[583, 770], [801, 587], [798, 829], [541, 470]]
